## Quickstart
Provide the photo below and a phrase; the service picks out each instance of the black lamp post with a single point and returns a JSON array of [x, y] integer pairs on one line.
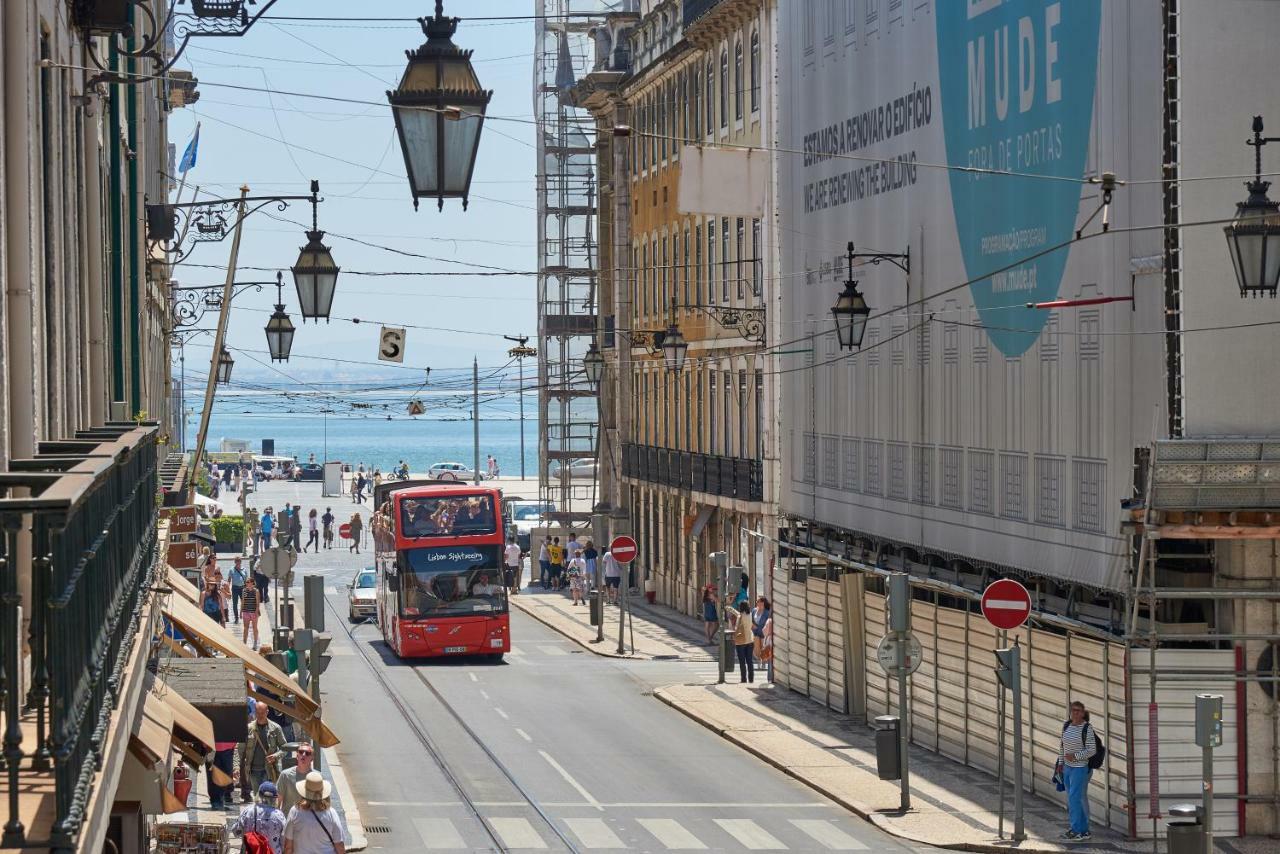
[[279, 328], [593, 365], [439, 110], [1253, 237], [315, 275], [850, 311], [225, 363]]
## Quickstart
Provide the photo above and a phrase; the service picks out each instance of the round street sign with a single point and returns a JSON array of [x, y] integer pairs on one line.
[[1006, 604], [624, 549], [344, 531], [887, 654]]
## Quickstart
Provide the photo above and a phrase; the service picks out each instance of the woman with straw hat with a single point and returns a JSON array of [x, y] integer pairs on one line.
[[313, 826]]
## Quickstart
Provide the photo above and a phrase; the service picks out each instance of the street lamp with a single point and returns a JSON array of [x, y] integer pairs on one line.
[[674, 348], [593, 365], [850, 312], [439, 110], [225, 363], [1253, 237], [315, 275], [279, 328]]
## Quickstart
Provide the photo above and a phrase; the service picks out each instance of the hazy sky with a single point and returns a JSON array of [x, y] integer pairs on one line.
[[277, 142]]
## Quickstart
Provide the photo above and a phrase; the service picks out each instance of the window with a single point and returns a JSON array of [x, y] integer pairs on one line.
[[724, 258], [755, 71], [711, 261], [655, 304], [663, 105], [664, 293], [697, 263], [710, 99], [742, 242], [728, 417], [743, 413], [698, 409], [643, 280], [695, 107], [757, 260], [760, 415], [684, 111], [652, 127], [711, 415], [685, 265], [737, 80], [724, 88], [676, 268]]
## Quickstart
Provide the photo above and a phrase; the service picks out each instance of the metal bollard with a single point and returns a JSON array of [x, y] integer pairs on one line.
[[593, 600]]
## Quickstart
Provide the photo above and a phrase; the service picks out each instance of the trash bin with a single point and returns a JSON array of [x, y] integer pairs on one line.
[[594, 602], [1186, 829], [730, 653], [888, 748]]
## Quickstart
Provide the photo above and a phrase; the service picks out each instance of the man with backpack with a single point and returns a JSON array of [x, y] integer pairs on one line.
[[261, 825], [1080, 753]]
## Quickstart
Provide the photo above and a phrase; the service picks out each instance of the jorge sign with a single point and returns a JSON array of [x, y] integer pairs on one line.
[[182, 520]]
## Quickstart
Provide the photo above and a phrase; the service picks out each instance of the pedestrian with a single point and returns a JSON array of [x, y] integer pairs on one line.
[[357, 527], [326, 521], [361, 484], [766, 645], [1079, 744], [577, 570], [572, 548], [313, 531], [710, 613], [226, 478], [263, 584], [555, 552], [354, 489], [313, 826], [224, 760], [744, 591], [289, 777], [612, 575], [224, 588], [284, 523], [262, 818], [265, 525], [377, 480], [491, 466], [249, 612], [295, 527], [237, 577], [262, 750], [211, 602], [760, 615], [591, 556], [544, 564], [744, 642], [512, 559]]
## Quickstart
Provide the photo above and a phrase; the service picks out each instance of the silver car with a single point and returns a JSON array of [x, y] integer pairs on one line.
[[452, 472], [362, 595], [584, 467]]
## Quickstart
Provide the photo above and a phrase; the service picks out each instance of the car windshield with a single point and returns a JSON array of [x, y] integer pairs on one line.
[[366, 580], [531, 511], [451, 581], [447, 516]]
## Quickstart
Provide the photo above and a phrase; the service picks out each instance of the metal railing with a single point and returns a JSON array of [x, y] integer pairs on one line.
[[81, 516], [729, 477]]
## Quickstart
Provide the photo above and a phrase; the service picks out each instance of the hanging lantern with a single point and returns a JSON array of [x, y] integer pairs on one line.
[[279, 328], [225, 364], [593, 364], [850, 312]]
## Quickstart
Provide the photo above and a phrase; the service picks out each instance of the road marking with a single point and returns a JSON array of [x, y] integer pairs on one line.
[[568, 778], [501, 713], [750, 835], [553, 650], [672, 834], [484, 693], [515, 650], [594, 833], [516, 833], [439, 834], [332, 591], [472, 676], [828, 834], [523, 735]]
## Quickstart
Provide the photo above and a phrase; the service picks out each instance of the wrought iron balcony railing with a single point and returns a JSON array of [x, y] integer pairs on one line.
[[88, 507], [729, 477]]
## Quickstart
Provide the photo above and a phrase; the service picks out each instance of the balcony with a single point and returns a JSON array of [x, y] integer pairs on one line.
[[78, 522], [695, 9], [728, 477]]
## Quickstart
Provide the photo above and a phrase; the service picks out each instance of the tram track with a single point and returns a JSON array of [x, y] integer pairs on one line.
[[420, 733]]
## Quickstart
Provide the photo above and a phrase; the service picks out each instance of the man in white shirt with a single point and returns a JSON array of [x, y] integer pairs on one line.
[[511, 560], [544, 562], [612, 576], [483, 587]]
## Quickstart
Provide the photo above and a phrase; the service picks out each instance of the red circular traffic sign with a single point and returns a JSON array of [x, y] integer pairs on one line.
[[1006, 604], [344, 531], [624, 549]]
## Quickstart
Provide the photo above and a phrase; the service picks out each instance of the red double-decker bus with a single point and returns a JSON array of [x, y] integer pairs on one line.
[[440, 589]]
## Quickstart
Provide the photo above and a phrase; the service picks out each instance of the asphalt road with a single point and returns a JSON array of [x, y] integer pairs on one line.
[[555, 749]]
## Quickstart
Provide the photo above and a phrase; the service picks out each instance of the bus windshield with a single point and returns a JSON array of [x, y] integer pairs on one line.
[[447, 516], [451, 581]]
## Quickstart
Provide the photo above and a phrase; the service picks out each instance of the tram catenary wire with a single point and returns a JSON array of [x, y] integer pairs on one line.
[[425, 740]]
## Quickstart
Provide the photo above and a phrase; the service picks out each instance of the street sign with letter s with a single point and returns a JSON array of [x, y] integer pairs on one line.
[[391, 344]]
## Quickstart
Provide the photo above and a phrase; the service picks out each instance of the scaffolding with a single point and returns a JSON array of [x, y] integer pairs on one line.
[[568, 414]]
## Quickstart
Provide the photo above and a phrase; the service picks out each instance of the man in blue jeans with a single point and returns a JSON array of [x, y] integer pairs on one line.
[[1079, 744]]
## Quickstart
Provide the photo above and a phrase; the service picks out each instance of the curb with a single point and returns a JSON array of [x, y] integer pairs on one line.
[[589, 647], [351, 812], [859, 809]]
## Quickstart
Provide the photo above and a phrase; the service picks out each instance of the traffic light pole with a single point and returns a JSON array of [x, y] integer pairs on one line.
[[720, 563], [900, 625], [1009, 675]]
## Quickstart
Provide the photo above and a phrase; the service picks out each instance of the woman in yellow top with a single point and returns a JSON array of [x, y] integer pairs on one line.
[[555, 552]]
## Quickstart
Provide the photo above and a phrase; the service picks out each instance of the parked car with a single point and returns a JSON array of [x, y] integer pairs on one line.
[[524, 516], [584, 467], [452, 471], [310, 471], [362, 595]]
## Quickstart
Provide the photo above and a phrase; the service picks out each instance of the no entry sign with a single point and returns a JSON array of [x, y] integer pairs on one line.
[[344, 531], [624, 549], [1006, 604]]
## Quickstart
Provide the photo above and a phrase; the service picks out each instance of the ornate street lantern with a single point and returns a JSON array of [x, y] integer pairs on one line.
[[439, 110], [593, 364], [315, 275], [1253, 237], [225, 364], [674, 348], [279, 328], [850, 312]]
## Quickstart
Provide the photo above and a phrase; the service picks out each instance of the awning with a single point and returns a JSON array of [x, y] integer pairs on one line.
[[152, 730], [704, 516], [191, 723], [207, 636], [156, 730]]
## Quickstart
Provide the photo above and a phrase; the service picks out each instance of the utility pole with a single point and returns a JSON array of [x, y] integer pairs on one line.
[[720, 565], [520, 352], [475, 413]]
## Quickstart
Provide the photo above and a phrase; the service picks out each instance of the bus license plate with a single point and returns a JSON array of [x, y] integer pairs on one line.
[[449, 649]]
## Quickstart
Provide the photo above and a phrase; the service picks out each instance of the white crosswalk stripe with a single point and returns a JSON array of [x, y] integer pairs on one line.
[[672, 834], [552, 650], [828, 834], [594, 833], [516, 833], [439, 834], [750, 835]]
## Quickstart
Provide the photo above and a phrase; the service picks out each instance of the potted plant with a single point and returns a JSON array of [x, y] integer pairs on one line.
[[228, 533]]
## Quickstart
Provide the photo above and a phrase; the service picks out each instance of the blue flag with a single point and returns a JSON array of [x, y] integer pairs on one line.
[[193, 147]]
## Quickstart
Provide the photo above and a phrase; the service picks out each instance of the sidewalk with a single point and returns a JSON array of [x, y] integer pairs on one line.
[[657, 635]]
